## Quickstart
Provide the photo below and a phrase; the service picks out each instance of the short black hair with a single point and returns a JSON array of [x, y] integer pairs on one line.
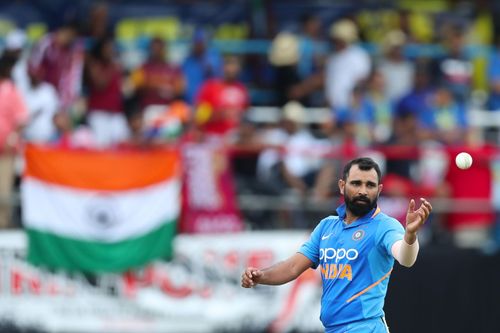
[[132, 106], [97, 49], [363, 163], [307, 17], [7, 62], [157, 40]]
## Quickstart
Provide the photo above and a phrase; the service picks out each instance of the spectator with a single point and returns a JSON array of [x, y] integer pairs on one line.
[[383, 107], [471, 222], [394, 199], [402, 147], [13, 116], [291, 162], [97, 24], [15, 43], [137, 137], [494, 78], [337, 150], [246, 146], [418, 100], [310, 48], [347, 67], [202, 64], [403, 168], [441, 125], [445, 121], [60, 55], [70, 135], [42, 103], [310, 68], [360, 112], [284, 56], [411, 31], [104, 81], [157, 82], [296, 168], [221, 103], [454, 69], [397, 71]]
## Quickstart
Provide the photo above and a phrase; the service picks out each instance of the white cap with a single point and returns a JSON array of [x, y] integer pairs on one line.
[[294, 111], [344, 30], [15, 40], [394, 38], [284, 50]]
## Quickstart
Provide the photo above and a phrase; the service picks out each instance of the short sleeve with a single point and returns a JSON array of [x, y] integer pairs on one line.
[[18, 107], [389, 232], [462, 117], [426, 119], [494, 68], [311, 248]]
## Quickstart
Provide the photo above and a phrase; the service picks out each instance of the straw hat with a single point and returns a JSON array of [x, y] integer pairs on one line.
[[394, 38], [294, 111], [344, 30], [15, 40], [284, 50]]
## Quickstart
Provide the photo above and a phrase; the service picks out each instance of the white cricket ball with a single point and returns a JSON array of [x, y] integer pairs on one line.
[[463, 160]]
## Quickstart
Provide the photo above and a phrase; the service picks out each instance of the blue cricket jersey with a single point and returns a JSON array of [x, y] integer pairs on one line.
[[356, 262]]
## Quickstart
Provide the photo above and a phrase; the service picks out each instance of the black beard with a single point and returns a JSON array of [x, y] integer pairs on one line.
[[358, 208]]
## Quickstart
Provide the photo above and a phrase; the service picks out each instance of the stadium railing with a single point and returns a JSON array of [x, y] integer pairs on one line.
[[479, 119]]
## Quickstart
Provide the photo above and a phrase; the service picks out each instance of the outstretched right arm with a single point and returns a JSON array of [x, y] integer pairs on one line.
[[280, 273]]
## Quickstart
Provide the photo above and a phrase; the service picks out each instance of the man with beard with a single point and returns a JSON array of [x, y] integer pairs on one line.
[[356, 251]]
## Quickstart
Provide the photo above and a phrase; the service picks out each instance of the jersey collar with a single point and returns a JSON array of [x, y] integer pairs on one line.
[[341, 211]]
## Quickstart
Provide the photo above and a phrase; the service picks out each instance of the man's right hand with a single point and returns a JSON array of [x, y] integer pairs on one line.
[[277, 274], [250, 277]]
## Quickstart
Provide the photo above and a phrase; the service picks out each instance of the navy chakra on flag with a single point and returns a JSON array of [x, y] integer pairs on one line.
[[101, 212], [358, 234]]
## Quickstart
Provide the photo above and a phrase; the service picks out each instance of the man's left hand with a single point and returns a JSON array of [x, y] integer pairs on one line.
[[415, 218]]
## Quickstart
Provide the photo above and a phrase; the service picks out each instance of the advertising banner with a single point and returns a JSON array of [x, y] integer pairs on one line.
[[198, 291]]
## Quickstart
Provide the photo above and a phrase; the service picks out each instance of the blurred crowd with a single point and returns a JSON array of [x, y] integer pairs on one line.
[[409, 111]]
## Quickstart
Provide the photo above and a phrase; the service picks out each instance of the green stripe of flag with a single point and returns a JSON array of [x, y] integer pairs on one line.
[[59, 252]]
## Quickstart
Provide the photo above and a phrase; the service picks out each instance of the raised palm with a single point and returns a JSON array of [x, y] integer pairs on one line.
[[415, 218]]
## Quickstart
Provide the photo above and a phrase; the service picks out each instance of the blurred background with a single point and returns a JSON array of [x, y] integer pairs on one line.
[[151, 150]]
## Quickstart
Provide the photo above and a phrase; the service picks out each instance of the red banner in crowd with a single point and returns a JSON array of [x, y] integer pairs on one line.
[[209, 199]]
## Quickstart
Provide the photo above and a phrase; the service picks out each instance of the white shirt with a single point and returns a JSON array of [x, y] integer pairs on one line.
[[20, 75], [303, 153], [344, 70], [42, 102], [269, 157], [398, 78]]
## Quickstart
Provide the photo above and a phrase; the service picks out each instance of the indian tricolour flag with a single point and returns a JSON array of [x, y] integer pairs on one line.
[[97, 211]]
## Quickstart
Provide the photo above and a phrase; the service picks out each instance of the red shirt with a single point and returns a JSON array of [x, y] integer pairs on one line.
[[108, 97], [227, 102], [158, 83], [61, 67], [473, 183]]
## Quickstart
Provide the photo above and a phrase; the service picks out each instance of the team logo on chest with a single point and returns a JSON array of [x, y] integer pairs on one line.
[[358, 234]]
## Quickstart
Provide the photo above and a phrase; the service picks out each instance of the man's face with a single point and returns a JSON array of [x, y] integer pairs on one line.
[[313, 27], [231, 69], [361, 190], [158, 50], [66, 36], [199, 48], [339, 44]]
